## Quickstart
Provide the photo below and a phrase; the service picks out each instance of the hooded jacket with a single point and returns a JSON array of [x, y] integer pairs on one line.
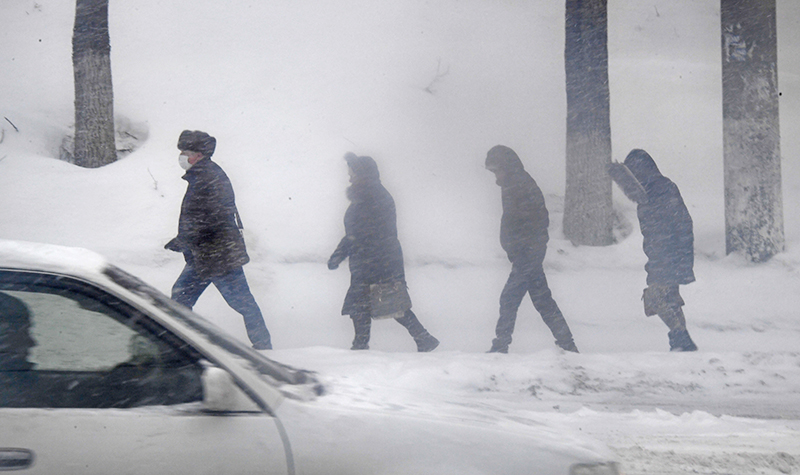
[[208, 229], [523, 227], [668, 238]]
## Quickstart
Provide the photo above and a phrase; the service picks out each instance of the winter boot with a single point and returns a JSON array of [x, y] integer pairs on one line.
[[679, 340], [426, 342], [258, 334], [362, 325], [264, 345], [567, 345], [498, 346]]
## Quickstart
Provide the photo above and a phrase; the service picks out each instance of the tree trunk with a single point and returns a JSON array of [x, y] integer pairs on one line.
[[587, 200], [94, 96], [753, 201]]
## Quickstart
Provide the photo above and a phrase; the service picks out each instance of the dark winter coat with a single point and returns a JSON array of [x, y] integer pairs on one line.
[[523, 227], [209, 230], [370, 243], [665, 223]]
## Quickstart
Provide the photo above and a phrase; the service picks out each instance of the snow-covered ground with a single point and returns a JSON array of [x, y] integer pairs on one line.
[[427, 88]]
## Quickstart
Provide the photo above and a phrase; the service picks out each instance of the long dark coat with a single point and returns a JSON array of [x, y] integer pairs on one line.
[[370, 243], [209, 230], [665, 223]]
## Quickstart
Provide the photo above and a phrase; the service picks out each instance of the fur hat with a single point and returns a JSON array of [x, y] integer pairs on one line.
[[197, 141]]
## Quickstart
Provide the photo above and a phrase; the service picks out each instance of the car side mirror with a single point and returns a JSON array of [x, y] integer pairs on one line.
[[221, 394]]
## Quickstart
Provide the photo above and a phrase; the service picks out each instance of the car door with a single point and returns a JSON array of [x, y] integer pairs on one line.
[[89, 384]]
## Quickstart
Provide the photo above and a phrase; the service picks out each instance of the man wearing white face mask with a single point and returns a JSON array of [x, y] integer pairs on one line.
[[210, 237]]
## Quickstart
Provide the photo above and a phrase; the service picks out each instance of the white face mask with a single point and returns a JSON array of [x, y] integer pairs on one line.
[[183, 160]]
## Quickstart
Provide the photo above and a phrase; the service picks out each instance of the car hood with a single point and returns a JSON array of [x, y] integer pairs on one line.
[[341, 440]]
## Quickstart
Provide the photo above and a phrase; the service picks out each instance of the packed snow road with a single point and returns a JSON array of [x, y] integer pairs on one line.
[[664, 414]]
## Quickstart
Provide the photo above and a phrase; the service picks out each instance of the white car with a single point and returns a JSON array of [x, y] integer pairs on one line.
[[102, 374]]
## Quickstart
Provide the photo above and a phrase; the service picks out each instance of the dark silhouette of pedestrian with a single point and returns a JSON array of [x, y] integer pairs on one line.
[[523, 235], [668, 241], [375, 255]]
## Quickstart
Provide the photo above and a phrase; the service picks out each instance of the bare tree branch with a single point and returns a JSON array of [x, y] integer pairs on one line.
[[439, 75], [12, 124]]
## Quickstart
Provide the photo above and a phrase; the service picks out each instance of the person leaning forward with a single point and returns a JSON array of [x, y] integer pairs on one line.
[[210, 237], [523, 235], [667, 240]]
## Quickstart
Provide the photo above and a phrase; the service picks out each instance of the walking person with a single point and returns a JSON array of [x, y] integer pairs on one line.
[[371, 244], [523, 235], [210, 237], [668, 241]]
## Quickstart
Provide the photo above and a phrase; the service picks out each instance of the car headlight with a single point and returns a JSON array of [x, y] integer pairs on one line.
[[602, 468]]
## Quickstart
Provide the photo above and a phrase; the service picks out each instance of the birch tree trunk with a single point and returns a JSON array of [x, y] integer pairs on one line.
[[94, 96], [587, 199], [752, 160]]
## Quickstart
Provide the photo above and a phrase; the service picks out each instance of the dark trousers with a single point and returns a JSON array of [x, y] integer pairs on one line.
[[528, 278], [362, 323], [234, 289]]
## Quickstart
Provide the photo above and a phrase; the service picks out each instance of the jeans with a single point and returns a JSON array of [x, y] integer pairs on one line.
[[234, 289]]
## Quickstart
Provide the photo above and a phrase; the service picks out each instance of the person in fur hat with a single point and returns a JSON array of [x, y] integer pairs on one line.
[[375, 255], [668, 241], [210, 237], [523, 235]]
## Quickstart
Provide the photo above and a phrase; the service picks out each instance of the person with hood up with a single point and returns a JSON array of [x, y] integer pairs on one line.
[[668, 241], [375, 255], [210, 237], [523, 235]]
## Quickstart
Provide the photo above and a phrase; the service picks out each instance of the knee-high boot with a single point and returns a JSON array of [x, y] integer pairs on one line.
[[425, 341], [679, 339], [361, 324]]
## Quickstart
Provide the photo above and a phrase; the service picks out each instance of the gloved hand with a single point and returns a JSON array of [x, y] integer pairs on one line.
[[623, 177], [174, 245], [341, 253], [333, 264]]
